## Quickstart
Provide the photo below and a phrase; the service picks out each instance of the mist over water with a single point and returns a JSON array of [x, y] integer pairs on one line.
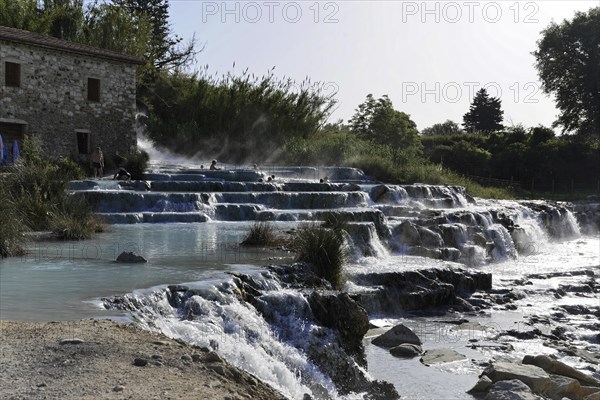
[[391, 228]]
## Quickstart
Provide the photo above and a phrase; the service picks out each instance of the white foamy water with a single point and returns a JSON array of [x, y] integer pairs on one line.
[[273, 338]]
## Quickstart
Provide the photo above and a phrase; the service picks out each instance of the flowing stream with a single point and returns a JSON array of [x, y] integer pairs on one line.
[[189, 226]]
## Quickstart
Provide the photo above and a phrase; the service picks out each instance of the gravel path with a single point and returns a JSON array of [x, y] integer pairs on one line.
[[96, 359]]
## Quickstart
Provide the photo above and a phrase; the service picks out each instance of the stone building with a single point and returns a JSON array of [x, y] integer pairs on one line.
[[74, 97]]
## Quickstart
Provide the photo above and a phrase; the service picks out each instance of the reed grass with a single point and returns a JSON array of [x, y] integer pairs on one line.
[[324, 249], [261, 233]]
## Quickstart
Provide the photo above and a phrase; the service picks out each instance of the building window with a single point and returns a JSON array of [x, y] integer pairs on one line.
[[83, 142], [12, 74], [93, 89]]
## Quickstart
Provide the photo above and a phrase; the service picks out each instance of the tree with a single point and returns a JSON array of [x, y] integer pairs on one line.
[[445, 128], [568, 61], [111, 27], [164, 52], [540, 134], [65, 18], [484, 114], [22, 14], [376, 120], [59, 18]]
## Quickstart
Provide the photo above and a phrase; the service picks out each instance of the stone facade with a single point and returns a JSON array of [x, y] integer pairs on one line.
[[53, 103]]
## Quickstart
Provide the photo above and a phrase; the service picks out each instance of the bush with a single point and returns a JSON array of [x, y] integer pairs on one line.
[[237, 116], [75, 220], [33, 197], [12, 226], [325, 249], [69, 227], [136, 164], [70, 169], [261, 234]]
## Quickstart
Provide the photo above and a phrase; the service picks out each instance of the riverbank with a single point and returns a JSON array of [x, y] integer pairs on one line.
[[102, 359]]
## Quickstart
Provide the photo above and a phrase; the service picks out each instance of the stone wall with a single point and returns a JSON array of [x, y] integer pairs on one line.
[[53, 99]]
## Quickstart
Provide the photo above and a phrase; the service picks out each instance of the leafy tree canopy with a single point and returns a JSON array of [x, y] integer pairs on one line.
[[568, 61], [165, 51], [378, 121], [445, 128], [485, 114]]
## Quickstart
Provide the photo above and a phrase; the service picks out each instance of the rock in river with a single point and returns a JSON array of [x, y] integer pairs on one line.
[[130, 257], [511, 390], [534, 377], [439, 356], [406, 350], [396, 336], [559, 368]]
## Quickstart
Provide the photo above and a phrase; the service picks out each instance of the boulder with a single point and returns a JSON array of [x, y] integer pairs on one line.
[[406, 350], [440, 356], [418, 290], [536, 378], [556, 367], [341, 312], [450, 254], [564, 387], [382, 194], [396, 336], [593, 396], [407, 233], [453, 235], [479, 239], [511, 390], [130, 257], [482, 385], [378, 193], [430, 238]]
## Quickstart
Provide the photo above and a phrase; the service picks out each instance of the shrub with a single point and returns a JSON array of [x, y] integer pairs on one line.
[[136, 164], [12, 226], [261, 234], [75, 220], [69, 227], [323, 248], [70, 169], [33, 197]]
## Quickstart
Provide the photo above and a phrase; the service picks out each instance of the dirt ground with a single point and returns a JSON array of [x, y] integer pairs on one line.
[[96, 359]]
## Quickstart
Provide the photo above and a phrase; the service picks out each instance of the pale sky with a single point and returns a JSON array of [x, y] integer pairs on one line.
[[429, 57]]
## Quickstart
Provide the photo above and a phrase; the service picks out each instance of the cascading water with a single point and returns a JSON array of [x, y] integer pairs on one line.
[[392, 231], [276, 338]]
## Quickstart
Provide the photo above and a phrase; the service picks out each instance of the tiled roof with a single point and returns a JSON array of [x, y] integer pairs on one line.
[[35, 39]]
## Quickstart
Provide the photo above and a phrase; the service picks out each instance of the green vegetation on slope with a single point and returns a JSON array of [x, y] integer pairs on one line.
[[533, 160], [33, 198]]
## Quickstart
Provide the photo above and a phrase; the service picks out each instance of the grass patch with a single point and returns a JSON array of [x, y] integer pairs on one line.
[[261, 234], [75, 221], [68, 227], [323, 248]]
